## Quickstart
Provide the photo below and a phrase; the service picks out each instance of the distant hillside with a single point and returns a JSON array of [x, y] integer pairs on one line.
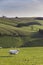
[[39, 18], [20, 32]]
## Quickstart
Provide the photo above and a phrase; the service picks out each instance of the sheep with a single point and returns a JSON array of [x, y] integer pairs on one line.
[[14, 51]]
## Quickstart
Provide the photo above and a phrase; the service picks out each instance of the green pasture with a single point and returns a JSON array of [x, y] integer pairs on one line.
[[26, 56]]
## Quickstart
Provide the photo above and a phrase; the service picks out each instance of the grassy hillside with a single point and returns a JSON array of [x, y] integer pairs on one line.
[[20, 32]]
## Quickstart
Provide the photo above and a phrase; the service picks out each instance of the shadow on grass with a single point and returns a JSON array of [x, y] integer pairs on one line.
[[5, 56]]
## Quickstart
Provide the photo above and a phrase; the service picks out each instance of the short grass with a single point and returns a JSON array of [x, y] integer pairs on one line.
[[26, 56]]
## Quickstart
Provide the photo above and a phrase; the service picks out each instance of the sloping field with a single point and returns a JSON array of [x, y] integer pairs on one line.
[[27, 35]]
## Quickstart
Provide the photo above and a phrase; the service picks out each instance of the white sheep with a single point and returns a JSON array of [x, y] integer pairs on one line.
[[14, 51]]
